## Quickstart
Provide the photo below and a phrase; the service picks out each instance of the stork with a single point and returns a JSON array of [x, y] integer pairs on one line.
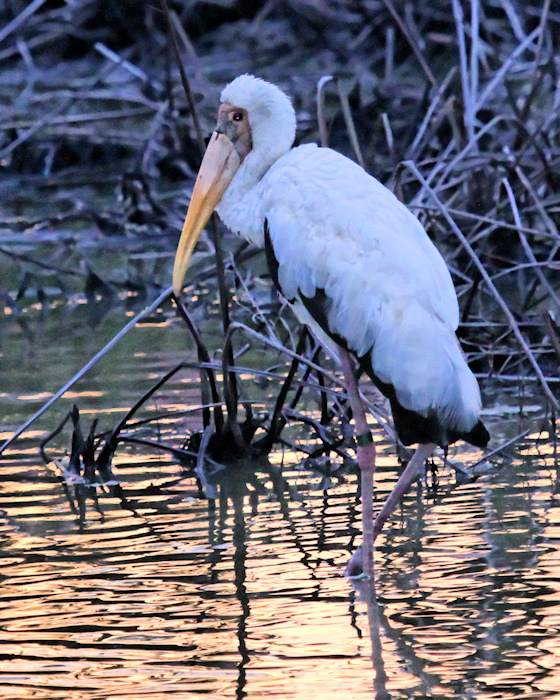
[[356, 265]]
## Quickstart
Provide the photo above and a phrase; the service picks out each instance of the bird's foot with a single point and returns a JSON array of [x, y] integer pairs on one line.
[[355, 566]]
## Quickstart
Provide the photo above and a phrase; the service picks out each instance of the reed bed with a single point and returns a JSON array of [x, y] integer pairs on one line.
[[454, 105]]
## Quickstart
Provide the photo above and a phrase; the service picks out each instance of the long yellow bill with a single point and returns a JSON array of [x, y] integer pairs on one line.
[[220, 163]]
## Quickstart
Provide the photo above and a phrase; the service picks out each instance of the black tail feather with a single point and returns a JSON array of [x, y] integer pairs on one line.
[[478, 436]]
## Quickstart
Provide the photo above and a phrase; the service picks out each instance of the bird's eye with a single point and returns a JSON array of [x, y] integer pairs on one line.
[[237, 116]]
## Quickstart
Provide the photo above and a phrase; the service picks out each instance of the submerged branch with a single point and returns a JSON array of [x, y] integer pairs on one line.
[[94, 360]]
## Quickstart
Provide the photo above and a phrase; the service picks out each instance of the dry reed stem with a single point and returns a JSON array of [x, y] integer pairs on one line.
[[470, 96]]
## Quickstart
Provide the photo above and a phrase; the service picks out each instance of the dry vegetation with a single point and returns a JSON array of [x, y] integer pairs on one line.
[[455, 105]]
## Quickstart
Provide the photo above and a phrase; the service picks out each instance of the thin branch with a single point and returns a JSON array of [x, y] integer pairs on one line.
[[94, 360], [488, 280]]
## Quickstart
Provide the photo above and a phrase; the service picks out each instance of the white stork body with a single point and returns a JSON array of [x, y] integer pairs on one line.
[[335, 228], [347, 253]]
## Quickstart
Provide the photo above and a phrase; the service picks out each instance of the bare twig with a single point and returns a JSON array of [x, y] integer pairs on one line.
[[486, 277], [94, 360], [23, 16], [413, 44]]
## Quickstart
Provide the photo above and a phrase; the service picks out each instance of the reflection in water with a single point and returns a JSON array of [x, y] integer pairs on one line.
[[170, 596], [366, 589], [165, 595], [237, 495]]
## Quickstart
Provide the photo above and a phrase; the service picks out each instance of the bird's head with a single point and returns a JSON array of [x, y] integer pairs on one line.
[[257, 123]]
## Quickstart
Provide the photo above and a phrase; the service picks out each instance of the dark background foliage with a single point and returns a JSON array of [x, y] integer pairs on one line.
[[98, 150]]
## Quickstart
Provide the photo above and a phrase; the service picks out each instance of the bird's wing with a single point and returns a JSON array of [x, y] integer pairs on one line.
[[384, 288]]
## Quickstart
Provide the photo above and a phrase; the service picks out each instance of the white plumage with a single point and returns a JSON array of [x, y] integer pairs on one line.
[[385, 289], [358, 268], [336, 228]]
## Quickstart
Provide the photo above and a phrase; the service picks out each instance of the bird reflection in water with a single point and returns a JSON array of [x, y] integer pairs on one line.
[[242, 492]]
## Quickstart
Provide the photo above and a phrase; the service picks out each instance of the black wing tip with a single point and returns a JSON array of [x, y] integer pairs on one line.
[[478, 436], [411, 426]]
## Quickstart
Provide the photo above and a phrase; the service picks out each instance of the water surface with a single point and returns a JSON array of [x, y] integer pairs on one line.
[[167, 596]]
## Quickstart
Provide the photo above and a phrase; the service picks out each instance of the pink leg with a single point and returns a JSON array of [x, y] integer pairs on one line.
[[366, 462], [401, 487]]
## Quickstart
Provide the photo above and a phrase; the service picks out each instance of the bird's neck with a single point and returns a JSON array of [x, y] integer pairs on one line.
[[241, 207]]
